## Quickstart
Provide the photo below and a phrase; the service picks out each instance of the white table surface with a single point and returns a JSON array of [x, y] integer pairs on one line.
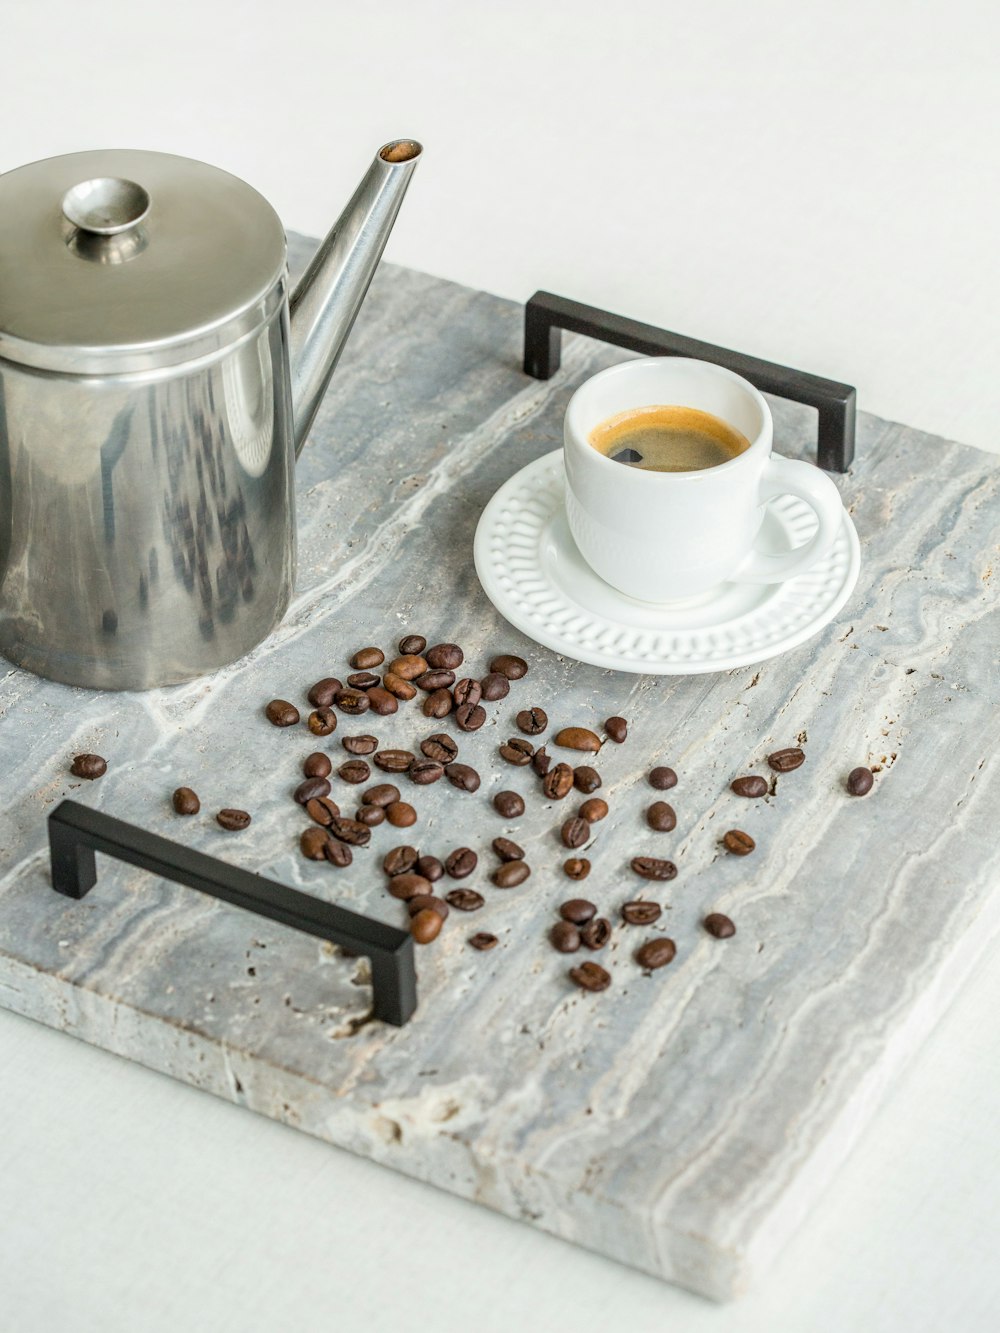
[[813, 184]]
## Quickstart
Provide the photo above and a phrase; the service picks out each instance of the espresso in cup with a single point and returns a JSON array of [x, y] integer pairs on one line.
[[668, 438]]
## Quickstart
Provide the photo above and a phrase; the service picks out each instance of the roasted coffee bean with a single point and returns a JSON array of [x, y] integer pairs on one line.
[[355, 771], [784, 761], [576, 867], [427, 902], [719, 925], [398, 687], [558, 782], [577, 738], [322, 721], [467, 691], [508, 665], [590, 976], [233, 821], [663, 778], [366, 658], [596, 933], [338, 853], [393, 761], [350, 831], [400, 860], [507, 850], [359, 744], [445, 656], [510, 874], [440, 747], [860, 781], [470, 717], [517, 751], [408, 885], [362, 680], [370, 815], [322, 810], [309, 789], [661, 817], [408, 665], [280, 713], [656, 953], [430, 867], [532, 721], [401, 814], [483, 941], [494, 686], [426, 926], [321, 694], [751, 786], [461, 862], [616, 729], [586, 779], [574, 832], [186, 801], [508, 804], [594, 810], [462, 776], [317, 765], [641, 913], [435, 680], [565, 937], [425, 771], [738, 842], [541, 761], [313, 843], [382, 701], [412, 645], [438, 704], [578, 910], [651, 867], [465, 900], [354, 702]]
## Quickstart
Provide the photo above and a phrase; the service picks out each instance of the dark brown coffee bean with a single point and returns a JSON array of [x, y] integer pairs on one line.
[[362, 680], [532, 721], [313, 843], [408, 885], [656, 953], [408, 665], [461, 862], [445, 656], [860, 781], [596, 933], [382, 794], [430, 867], [470, 717], [280, 713], [309, 789], [398, 687], [574, 832], [558, 782], [594, 810], [565, 937], [462, 776], [186, 801], [586, 779], [426, 902], [366, 658], [465, 900], [508, 804], [353, 702], [354, 771], [322, 721], [578, 910], [435, 680], [483, 941], [494, 686], [425, 771], [400, 860], [576, 867], [382, 701], [616, 729], [784, 761], [641, 913], [507, 850], [370, 815], [440, 747], [663, 778], [401, 814], [233, 821], [467, 691], [651, 867], [317, 765], [577, 738], [393, 761], [738, 842], [321, 694], [517, 751], [322, 810], [510, 874], [541, 761], [412, 645], [661, 817], [438, 704], [350, 831], [359, 744], [508, 665], [590, 976], [719, 925], [751, 787], [338, 853], [426, 926]]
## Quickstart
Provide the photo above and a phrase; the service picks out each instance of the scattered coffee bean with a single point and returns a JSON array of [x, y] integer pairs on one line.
[[483, 941], [440, 747], [517, 751], [370, 815], [541, 761], [311, 788], [586, 779], [400, 860], [355, 771], [494, 686], [784, 761], [462, 776], [322, 721], [656, 953], [461, 862], [590, 976], [317, 765], [426, 902], [353, 702], [510, 874], [438, 704], [366, 658], [860, 781], [321, 695], [507, 850], [425, 926], [596, 933], [663, 778], [565, 937], [401, 814], [751, 787], [280, 713], [594, 810], [445, 656], [408, 885], [435, 680], [398, 687], [359, 744], [338, 853], [574, 832], [558, 782], [467, 691], [430, 867], [350, 831], [508, 804], [651, 867], [532, 721], [186, 801], [578, 910], [233, 821], [465, 900], [322, 810], [382, 794], [641, 913], [409, 666], [661, 817], [313, 843], [393, 761], [382, 701], [616, 729], [362, 680], [425, 771], [719, 925], [738, 842], [508, 665], [576, 867], [577, 738], [412, 645], [470, 717]]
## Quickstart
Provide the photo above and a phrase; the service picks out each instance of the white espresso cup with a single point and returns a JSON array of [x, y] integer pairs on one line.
[[661, 536]]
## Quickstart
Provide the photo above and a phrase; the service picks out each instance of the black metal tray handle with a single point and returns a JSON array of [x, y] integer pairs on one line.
[[77, 832], [546, 315]]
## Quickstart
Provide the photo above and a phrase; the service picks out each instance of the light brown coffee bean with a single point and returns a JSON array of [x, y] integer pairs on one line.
[[409, 666], [366, 658], [317, 765], [576, 867], [401, 814], [322, 693], [558, 782], [233, 821], [719, 925], [594, 810], [313, 842], [186, 801], [784, 761], [280, 713], [426, 926], [510, 874], [738, 842], [577, 738], [590, 976], [322, 810], [751, 787], [398, 687], [656, 953]]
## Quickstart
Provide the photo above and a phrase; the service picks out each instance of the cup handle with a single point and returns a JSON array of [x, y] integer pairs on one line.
[[788, 476]]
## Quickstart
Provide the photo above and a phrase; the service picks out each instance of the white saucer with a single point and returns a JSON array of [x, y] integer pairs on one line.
[[534, 575]]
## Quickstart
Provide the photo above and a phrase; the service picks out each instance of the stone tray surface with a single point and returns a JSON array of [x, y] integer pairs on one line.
[[682, 1122]]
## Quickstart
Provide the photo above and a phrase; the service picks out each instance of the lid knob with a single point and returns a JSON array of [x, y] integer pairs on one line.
[[106, 205]]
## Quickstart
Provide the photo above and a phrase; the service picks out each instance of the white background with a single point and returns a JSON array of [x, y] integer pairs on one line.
[[816, 184]]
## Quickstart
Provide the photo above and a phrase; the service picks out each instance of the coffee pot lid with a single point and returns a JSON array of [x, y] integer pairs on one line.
[[122, 260]]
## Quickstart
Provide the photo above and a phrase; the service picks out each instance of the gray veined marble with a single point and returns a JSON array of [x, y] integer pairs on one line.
[[685, 1122]]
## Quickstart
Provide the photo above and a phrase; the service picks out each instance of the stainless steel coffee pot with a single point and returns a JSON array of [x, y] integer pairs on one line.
[[156, 386]]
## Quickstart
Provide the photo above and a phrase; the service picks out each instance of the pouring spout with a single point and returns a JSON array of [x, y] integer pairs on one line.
[[326, 301]]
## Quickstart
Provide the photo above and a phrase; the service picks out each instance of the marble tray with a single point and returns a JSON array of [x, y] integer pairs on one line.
[[683, 1122]]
